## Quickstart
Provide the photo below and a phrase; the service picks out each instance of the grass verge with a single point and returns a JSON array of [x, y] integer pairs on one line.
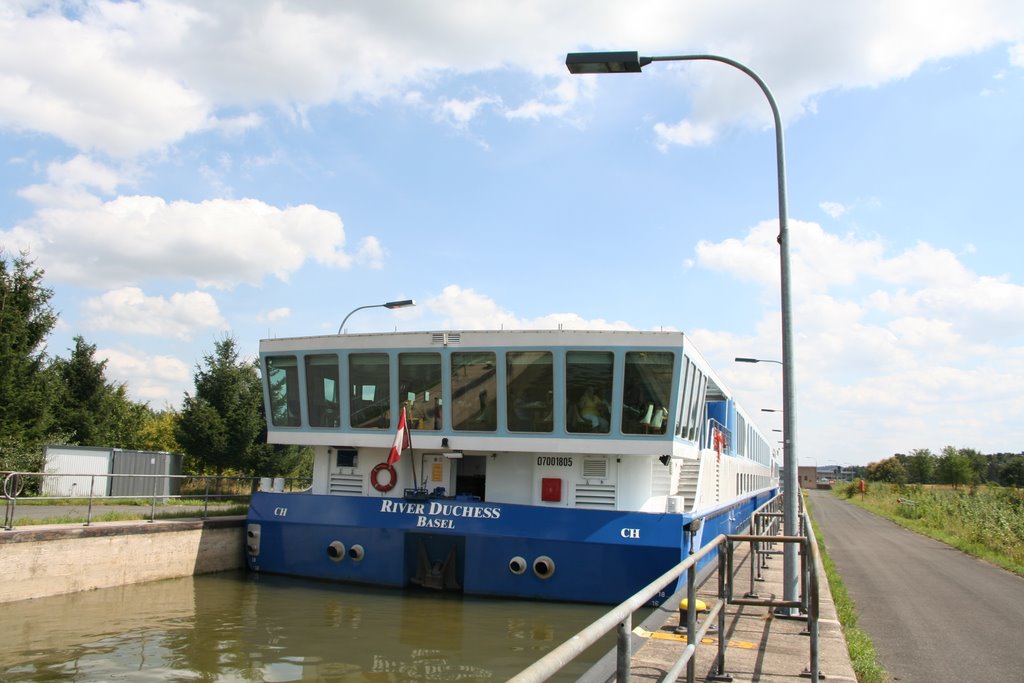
[[75, 517], [987, 523], [859, 646]]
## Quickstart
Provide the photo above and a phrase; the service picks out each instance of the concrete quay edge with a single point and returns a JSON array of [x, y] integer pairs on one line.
[[761, 646]]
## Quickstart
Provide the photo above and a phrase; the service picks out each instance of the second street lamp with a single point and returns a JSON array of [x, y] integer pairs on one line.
[[404, 303], [632, 62]]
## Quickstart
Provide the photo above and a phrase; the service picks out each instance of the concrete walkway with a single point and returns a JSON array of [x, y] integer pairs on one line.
[[760, 647]]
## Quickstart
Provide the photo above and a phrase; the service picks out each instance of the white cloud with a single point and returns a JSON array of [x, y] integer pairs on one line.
[[459, 113], [216, 242], [276, 314], [465, 309], [158, 380], [908, 343], [371, 253], [131, 78], [833, 209], [684, 133], [129, 310]]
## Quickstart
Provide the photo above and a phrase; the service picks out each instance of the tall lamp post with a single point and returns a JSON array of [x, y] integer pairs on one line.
[[631, 62], [404, 303]]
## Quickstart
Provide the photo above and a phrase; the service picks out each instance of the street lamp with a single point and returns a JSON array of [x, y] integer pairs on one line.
[[757, 360], [632, 62], [404, 303]]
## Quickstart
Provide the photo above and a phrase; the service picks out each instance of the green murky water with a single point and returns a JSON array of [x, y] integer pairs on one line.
[[234, 627]]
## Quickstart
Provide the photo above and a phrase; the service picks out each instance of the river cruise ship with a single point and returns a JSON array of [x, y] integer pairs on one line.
[[548, 465]]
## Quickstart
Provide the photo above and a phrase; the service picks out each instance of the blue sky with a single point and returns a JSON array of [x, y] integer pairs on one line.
[[184, 170]]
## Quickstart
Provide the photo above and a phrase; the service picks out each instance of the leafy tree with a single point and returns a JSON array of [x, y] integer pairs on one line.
[[157, 431], [1012, 472], [920, 464], [93, 411], [26, 319], [220, 425], [978, 463], [890, 470], [954, 467]]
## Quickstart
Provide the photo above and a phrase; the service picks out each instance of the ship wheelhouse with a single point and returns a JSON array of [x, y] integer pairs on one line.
[[601, 419]]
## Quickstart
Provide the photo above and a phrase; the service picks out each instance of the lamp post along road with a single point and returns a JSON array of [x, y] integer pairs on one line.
[[404, 303], [631, 62]]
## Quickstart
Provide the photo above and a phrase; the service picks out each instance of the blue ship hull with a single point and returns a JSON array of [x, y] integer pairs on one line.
[[477, 548]]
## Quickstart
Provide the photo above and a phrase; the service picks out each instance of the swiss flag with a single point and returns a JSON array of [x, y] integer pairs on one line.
[[403, 440]]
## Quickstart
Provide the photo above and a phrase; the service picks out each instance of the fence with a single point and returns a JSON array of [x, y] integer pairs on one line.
[[151, 487], [621, 617]]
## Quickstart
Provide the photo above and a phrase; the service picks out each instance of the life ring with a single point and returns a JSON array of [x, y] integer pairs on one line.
[[719, 441], [383, 487]]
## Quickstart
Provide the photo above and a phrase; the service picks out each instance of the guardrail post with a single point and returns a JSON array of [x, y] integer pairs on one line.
[[624, 651], [691, 621], [206, 498], [723, 580], [88, 511], [152, 506]]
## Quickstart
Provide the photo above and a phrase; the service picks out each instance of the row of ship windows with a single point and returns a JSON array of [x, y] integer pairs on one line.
[[474, 384]]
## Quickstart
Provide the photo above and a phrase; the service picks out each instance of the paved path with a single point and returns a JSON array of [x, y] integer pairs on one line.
[[26, 513], [761, 648], [934, 613]]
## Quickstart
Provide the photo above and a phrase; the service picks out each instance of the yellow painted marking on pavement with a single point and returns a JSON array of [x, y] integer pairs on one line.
[[681, 638]]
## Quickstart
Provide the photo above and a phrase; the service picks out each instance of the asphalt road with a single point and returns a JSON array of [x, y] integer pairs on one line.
[[934, 613]]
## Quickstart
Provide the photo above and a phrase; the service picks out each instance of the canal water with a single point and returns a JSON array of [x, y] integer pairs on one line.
[[237, 627]]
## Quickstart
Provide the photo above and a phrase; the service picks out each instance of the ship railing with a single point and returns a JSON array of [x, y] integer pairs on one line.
[[94, 490], [620, 618]]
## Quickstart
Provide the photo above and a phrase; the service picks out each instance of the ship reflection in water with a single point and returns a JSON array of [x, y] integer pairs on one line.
[[232, 627]]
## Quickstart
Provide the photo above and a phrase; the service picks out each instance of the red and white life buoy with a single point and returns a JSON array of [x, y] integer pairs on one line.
[[383, 486], [719, 442]]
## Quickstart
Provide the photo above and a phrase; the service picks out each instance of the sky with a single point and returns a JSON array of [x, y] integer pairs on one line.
[[185, 171]]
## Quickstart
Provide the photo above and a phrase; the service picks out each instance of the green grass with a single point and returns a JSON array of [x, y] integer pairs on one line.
[[143, 512], [984, 522], [862, 652]]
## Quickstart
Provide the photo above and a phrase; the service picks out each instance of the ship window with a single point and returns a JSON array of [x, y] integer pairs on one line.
[[370, 386], [646, 389], [588, 391], [474, 392], [322, 390], [684, 396], [283, 385], [530, 384], [697, 403], [419, 382]]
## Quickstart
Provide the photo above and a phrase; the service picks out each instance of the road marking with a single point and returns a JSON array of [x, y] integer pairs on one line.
[[681, 638]]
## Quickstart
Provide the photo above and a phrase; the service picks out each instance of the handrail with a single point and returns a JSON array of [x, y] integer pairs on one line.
[[620, 618], [14, 484]]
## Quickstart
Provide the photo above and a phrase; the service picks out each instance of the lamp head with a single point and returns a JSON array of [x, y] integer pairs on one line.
[[605, 62], [400, 304]]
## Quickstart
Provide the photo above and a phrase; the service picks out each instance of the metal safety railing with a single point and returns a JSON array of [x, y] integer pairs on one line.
[[620, 618], [154, 488]]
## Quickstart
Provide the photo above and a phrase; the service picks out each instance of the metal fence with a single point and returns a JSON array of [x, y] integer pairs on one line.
[[620, 618], [156, 489]]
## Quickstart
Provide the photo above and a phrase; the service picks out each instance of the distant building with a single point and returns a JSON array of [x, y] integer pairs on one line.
[[807, 476]]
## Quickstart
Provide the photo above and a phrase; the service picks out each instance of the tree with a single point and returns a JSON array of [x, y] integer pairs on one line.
[[1012, 472], [978, 463], [157, 432], [890, 470], [26, 319], [222, 422], [920, 464], [91, 410], [955, 468]]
